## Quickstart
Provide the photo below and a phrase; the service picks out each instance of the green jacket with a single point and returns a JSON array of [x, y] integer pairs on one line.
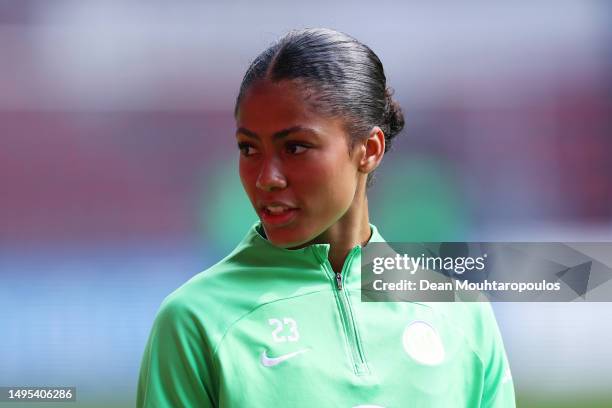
[[268, 327]]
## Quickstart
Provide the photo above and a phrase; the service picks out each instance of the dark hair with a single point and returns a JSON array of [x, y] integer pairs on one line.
[[346, 75]]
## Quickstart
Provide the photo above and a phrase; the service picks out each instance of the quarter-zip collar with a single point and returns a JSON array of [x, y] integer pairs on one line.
[[311, 256]]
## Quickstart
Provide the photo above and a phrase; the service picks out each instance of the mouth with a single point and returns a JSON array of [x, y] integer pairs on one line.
[[277, 214]]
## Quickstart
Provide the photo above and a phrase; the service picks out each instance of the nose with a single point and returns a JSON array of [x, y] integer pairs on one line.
[[271, 177]]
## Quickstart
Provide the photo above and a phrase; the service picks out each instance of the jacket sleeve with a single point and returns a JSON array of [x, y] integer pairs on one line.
[[176, 368], [498, 391]]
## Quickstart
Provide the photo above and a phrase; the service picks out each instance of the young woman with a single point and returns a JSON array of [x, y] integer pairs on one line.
[[279, 321]]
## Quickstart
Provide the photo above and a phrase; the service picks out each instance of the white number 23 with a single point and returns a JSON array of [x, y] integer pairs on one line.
[[279, 325]]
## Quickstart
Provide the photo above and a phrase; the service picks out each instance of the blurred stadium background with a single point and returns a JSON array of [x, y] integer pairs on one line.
[[118, 165]]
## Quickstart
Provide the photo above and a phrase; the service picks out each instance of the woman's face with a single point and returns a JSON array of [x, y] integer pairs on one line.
[[294, 163]]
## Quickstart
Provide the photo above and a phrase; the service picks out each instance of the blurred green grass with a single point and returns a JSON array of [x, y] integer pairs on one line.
[[579, 400]]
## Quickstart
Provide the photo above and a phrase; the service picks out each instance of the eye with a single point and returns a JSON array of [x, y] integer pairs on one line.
[[246, 149], [295, 148]]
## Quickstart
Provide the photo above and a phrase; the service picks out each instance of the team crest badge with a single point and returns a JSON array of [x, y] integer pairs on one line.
[[423, 344]]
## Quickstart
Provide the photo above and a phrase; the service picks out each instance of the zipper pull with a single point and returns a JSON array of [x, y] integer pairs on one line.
[[339, 280]]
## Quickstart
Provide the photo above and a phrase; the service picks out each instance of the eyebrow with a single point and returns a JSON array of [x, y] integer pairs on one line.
[[278, 135]]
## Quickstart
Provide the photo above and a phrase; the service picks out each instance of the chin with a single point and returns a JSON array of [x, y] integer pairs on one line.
[[286, 243], [287, 239]]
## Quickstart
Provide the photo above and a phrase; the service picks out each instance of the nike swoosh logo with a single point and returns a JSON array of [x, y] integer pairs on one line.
[[272, 361]]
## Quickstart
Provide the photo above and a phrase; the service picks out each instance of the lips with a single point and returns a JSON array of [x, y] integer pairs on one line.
[[277, 213]]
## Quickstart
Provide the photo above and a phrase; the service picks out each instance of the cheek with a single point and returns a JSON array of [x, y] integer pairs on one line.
[[247, 177], [327, 184]]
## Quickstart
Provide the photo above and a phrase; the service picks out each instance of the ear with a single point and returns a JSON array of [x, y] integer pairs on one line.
[[373, 150]]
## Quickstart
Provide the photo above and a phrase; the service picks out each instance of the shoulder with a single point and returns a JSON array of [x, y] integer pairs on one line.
[[208, 303], [474, 320], [473, 315]]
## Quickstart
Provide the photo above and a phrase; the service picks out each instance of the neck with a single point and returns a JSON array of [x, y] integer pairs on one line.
[[349, 231]]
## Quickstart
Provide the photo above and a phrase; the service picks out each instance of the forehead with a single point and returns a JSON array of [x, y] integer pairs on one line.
[[267, 107]]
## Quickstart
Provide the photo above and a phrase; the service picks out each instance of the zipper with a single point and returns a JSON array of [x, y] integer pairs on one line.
[[345, 310], [339, 280]]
